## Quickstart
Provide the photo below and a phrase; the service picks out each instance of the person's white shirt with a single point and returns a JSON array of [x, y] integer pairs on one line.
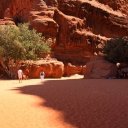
[[20, 74], [42, 74]]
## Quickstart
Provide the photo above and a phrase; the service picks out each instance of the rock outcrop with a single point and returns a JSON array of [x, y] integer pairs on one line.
[[6, 22], [18, 10], [70, 69], [100, 18], [99, 68], [121, 5], [52, 68], [74, 43]]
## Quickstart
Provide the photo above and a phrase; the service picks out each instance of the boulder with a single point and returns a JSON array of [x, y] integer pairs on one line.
[[52, 68], [99, 68]]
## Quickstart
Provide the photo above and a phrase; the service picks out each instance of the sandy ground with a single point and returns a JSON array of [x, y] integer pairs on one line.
[[64, 103]]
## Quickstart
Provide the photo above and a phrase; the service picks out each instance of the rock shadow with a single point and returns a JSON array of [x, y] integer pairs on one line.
[[85, 103]]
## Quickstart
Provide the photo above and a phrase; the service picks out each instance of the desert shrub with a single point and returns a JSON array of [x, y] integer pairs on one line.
[[33, 42], [116, 50], [20, 43]]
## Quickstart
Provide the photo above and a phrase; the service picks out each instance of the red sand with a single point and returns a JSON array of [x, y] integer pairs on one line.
[[64, 103]]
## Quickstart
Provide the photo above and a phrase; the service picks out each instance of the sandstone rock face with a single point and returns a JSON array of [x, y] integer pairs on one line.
[[83, 27], [51, 2], [74, 43], [117, 4], [41, 18], [100, 18], [34, 11], [4, 4], [6, 22], [99, 68], [16, 9], [73, 69], [80, 27], [47, 26], [52, 68]]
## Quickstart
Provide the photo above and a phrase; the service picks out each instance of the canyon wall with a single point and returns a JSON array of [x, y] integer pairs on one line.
[[78, 28], [121, 5]]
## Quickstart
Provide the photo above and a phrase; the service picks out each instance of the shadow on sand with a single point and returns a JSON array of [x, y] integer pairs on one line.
[[85, 103]]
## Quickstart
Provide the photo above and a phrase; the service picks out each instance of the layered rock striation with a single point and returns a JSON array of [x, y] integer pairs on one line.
[[78, 28]]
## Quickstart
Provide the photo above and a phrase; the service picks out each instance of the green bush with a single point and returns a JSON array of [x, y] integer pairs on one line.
[[116, 50], [20, 43]]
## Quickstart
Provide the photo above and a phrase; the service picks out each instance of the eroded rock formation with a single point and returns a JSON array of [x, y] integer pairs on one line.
[[80, 27], [53, 69], [99, 68], [6, 22], [70, 69], [74, 42], [18, 10], [121, 5], [100, 18]]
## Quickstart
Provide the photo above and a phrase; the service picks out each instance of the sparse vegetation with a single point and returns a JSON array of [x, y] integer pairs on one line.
[[116, 50], [20, 43]]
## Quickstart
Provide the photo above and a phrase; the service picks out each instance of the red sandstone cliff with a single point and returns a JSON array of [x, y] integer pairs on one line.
[[121, 5], [80, 27]]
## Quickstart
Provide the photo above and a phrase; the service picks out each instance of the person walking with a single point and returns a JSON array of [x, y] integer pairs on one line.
[[42, 75], [20, 75]]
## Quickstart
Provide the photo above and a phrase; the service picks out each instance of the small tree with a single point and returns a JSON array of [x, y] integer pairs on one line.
[[116, 50], [33, 42], [20, 43]]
